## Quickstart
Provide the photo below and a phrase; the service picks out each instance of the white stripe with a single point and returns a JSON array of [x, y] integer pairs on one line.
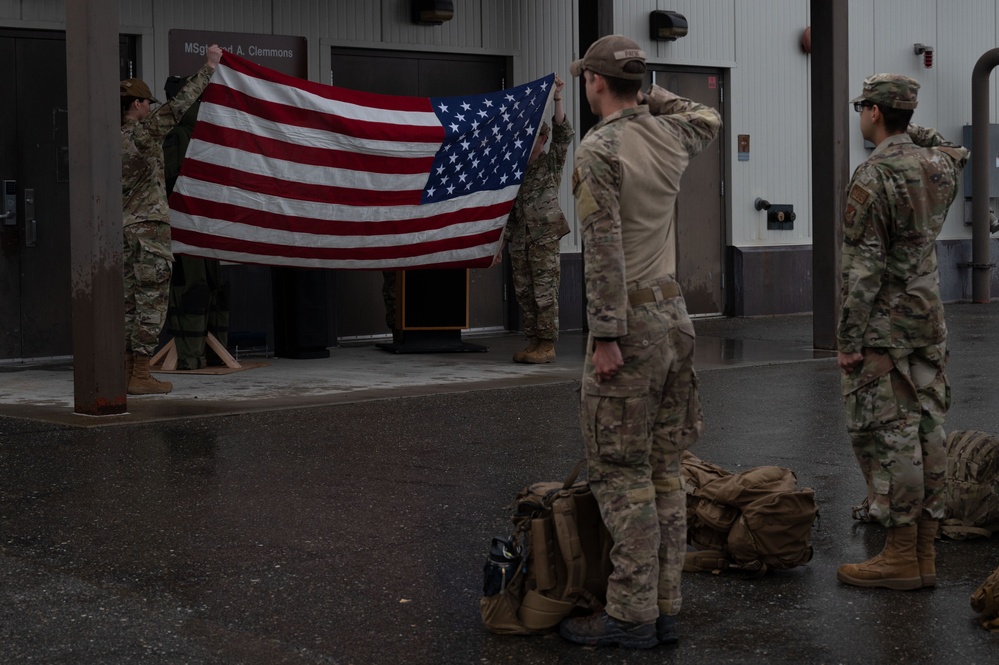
[[469, 254], [248, 232], [230, 195]]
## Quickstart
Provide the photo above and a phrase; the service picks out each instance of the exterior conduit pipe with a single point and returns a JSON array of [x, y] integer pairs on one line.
[[980, 265]]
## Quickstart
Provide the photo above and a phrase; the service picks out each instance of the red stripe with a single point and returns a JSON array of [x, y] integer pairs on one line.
[[326, 157], [270, 186], [300, 117], [243, 246], [297, 224], [374, 100]]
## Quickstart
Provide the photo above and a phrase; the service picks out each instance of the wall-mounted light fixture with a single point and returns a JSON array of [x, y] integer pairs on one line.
[[432, 12], [667, 26], [926, 52]]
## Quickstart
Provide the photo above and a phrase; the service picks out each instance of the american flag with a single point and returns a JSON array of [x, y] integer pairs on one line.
[[283, 171]]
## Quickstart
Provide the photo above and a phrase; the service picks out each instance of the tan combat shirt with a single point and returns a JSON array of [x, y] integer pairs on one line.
[[626, 180]]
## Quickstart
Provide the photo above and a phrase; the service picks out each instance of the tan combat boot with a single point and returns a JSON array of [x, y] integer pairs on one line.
[[532, 345], [543, 353], [129, 364], [926, 532], [896, 567], [142, 382]]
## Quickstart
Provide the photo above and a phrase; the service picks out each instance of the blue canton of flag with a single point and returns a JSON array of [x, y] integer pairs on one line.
[[488, 139]]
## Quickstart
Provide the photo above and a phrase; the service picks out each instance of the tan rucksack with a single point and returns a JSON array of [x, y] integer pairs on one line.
[[751, 521], [986, 602], [972, 485], [555, 563]]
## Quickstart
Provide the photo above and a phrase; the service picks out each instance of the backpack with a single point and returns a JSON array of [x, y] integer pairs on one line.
[[750, 521], [985, 601], [555, 563], [972, 485]]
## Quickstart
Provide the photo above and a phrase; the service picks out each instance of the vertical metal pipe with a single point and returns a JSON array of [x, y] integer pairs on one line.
[[981, 270], [830, 160]]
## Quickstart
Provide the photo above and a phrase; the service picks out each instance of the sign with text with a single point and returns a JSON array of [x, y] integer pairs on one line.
[[188, 49]]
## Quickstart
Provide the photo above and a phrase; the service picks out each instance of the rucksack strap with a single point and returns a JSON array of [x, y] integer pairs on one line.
[[955, 528], [571, 478], [567, 532]]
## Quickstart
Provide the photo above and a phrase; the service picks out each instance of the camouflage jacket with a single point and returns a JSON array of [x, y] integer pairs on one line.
[[536, 207], [626, 180], [897, 202], [143, 183]]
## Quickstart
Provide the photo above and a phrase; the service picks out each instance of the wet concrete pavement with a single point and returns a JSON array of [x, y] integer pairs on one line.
[[353, 529]]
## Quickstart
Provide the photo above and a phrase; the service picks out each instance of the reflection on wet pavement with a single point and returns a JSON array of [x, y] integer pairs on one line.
[[718, 352]]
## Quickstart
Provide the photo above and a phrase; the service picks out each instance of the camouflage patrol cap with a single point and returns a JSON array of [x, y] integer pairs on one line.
[[138, 89], [894, 91], [608, 56]]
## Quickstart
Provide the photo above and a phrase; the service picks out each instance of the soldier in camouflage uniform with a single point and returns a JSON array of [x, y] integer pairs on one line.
[[639, 400], [532, 233], [892, 337], [146, 217]]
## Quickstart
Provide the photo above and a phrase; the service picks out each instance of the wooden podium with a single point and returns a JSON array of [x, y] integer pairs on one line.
[[431, 311]]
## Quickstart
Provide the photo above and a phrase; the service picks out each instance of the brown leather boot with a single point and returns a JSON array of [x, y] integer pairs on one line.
[[532, 344], [926, 532], [142, 382], [543, 353], [896, 567], [129, 364]]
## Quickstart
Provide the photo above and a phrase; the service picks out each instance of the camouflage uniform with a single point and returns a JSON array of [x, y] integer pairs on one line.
[[146, 217], [636, 424], [532, 233], [896, 399]]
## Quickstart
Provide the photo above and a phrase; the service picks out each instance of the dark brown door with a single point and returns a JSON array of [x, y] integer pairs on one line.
[[359, 308], [34, 159], [700, 236]]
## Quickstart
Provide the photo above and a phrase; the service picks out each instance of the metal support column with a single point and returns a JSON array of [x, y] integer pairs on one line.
[[830, 161], [95, 207], [980, 265]]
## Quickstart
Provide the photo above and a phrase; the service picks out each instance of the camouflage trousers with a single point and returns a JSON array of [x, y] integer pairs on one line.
[[536, 271], [635, 427], [147, 263], [896, 402]]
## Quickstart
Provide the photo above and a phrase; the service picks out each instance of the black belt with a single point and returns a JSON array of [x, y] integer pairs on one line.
[[642, 296]]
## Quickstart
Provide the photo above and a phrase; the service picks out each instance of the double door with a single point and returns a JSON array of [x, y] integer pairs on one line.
[[35, 316]]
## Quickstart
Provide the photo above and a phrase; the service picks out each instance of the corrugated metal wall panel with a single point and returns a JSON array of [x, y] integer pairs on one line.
[[549, 41], [358, 20], [501, 25], [10, 10], [44, 10], [464, 30], [711, 30], [769, 101], [135, 14]]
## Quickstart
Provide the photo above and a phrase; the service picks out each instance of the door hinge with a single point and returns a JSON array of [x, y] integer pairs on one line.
[[722, 189]]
